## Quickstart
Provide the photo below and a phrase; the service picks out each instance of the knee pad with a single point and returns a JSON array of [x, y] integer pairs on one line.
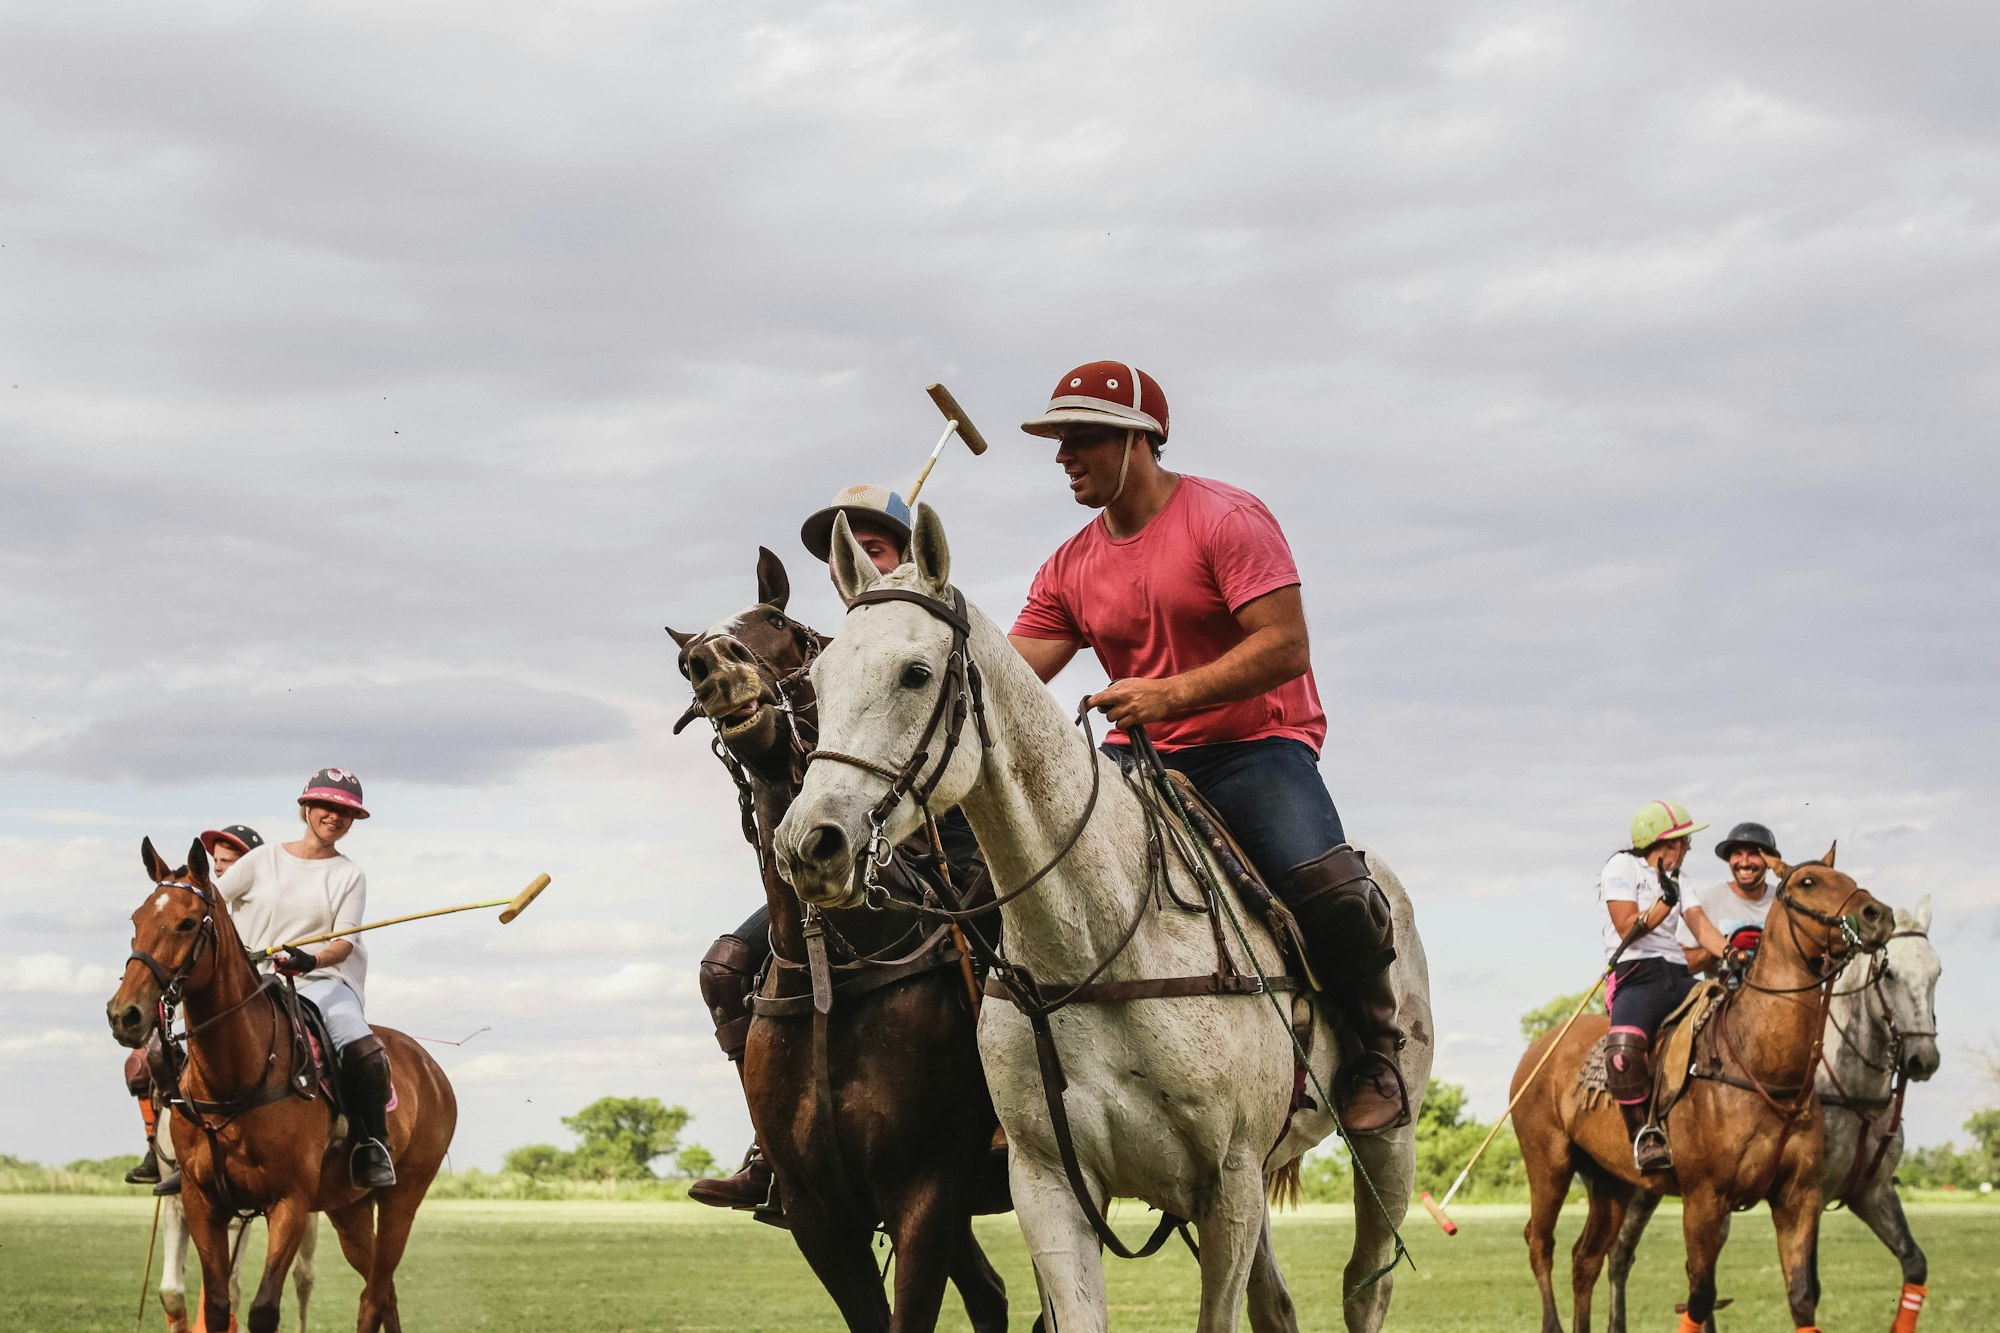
[[1628, 1070], [727, 980], [138, 1078], [1342, 913]]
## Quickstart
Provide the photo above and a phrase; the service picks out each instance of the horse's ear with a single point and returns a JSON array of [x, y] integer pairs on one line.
[[1922, 914], [1777, 867], [155, 867], [853, 572], [930, 550], [682, 639], [773, 587], [198, 864], [1828, 858]]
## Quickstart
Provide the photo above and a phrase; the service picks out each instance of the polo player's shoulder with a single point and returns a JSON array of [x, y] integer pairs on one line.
[[1211, 502]]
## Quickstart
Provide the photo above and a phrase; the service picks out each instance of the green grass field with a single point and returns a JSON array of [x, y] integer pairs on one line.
[[72, 1263]]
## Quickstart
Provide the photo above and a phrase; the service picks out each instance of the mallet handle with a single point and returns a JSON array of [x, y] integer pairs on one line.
[[949, 429], [514, 906]]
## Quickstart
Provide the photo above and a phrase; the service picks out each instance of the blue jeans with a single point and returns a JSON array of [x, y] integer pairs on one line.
[[1269, 792]]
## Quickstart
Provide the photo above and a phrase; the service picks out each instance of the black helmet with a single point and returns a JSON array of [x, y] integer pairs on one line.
[[1748, 835]]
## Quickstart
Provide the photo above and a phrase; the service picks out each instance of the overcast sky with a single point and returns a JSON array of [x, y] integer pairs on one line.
[[377, 379]]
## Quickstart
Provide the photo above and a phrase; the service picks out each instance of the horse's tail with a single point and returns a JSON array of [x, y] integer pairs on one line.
[[1284, 1187]]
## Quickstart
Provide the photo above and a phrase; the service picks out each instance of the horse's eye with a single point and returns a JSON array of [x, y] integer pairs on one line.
[[186, 925], [1806, 883], [915, 676], [777, 620]]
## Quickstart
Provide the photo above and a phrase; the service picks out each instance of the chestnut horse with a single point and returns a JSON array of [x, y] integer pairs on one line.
[[1747, 1129], [248, 1138], [875, 1111]]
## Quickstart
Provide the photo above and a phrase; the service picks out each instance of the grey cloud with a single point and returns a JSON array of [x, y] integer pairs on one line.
[[475, 731]]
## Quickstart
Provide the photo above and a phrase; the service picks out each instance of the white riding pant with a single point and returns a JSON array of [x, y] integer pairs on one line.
[[341, 1008]]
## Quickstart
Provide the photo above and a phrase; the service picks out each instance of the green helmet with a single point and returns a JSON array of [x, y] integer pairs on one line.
[[1657, 821]]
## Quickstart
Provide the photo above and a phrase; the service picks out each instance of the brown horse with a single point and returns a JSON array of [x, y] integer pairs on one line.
[[248, 1137], [874, 1112], [1746, 1130]]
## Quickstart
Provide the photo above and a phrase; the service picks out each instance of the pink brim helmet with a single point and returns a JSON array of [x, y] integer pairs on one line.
[[335, 786]]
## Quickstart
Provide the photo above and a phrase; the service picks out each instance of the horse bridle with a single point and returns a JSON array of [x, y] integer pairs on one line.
[[174, 982], [1839, 926], [1879, 971], [962, 693]]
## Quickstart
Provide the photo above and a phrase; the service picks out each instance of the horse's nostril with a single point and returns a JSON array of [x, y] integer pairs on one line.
[[697, 669], [129, 1017], [825, 843]]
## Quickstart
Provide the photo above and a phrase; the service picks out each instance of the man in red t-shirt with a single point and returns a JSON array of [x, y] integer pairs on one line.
[[1187, 592]]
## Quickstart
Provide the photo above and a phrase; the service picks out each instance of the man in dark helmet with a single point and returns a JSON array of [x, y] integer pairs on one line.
[[1187, 592], [1736, 906], [880, 521], [224, 846], [294, 890]]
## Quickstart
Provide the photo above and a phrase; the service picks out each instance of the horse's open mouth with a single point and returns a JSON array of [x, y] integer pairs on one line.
[[741, 718]]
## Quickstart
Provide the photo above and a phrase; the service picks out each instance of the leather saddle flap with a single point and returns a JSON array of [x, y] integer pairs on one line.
[[1674, 1045], [319, 1049], [1192, 795]]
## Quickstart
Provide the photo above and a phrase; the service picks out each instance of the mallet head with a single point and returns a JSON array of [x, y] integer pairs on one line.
[[523, 898]]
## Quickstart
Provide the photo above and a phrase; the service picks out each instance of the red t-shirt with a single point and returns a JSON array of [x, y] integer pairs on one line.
[[1163, 601]]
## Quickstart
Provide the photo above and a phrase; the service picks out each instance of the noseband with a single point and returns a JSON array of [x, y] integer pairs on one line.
[[961, 693], [173, 982]]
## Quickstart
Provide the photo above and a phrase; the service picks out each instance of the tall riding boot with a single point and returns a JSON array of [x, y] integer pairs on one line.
[[728, 976], [1628, 1077], [364, 1067], [1344, 918], [148, 1170]]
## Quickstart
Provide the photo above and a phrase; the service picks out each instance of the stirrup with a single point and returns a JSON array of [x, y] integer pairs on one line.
[[1651, 1133], [369, 1165]]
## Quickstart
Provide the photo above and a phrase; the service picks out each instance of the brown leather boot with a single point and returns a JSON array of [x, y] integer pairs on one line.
[[749, 1188], [1344, 918]]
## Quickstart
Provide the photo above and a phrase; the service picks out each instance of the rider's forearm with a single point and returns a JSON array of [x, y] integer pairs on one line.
[[334, 952], [1267, 658]]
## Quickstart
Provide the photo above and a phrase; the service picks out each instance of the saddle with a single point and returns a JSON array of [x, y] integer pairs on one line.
[[1674, 1053], [317, 1075]]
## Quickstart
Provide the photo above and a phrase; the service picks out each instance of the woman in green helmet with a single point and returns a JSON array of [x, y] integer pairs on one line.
[[1641, 892]]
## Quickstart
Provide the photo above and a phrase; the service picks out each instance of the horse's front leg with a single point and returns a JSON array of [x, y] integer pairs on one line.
[[924, 1234], [305, 1268], [1069, 1264], [1878, 1205], [1623, 1251], [286, 1222], [1704, 1226], [1271, 1306], [1230, 1229], [1795, 1214], [209, 1228], [173, 1273]]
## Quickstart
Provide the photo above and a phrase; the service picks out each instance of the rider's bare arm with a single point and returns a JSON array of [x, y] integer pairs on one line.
[[1275, 649], [1705, 933], [1623, 914], [334, 952], [1046, 657]]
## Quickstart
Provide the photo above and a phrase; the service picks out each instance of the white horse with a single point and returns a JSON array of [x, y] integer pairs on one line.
[[1182, 1102], [1881, 1034], [174, 1243]]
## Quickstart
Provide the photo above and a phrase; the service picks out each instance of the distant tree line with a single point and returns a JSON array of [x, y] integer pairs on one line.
[[619, 1138]]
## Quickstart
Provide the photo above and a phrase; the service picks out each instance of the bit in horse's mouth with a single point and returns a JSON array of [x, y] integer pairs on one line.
[[741, 717]]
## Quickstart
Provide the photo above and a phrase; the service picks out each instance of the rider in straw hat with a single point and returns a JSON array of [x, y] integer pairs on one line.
[[1736, 906], [304, 888], [880, 521], [1186, 590], [1641, 885], [224, 846]]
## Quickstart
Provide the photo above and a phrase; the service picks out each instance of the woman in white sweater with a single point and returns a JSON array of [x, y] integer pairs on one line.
[[299, 889]]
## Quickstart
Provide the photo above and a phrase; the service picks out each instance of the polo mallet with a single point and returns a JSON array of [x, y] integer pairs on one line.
[[956, 423], [1437, 1209], [514, 905], [146, 1278]]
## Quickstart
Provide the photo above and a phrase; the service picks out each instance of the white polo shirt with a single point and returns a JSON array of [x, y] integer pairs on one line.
[[1628, 879], [1729, 911], [274, 896]]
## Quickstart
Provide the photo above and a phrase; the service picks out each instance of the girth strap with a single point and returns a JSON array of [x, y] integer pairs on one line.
[[873, 979], [1147, 988]]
